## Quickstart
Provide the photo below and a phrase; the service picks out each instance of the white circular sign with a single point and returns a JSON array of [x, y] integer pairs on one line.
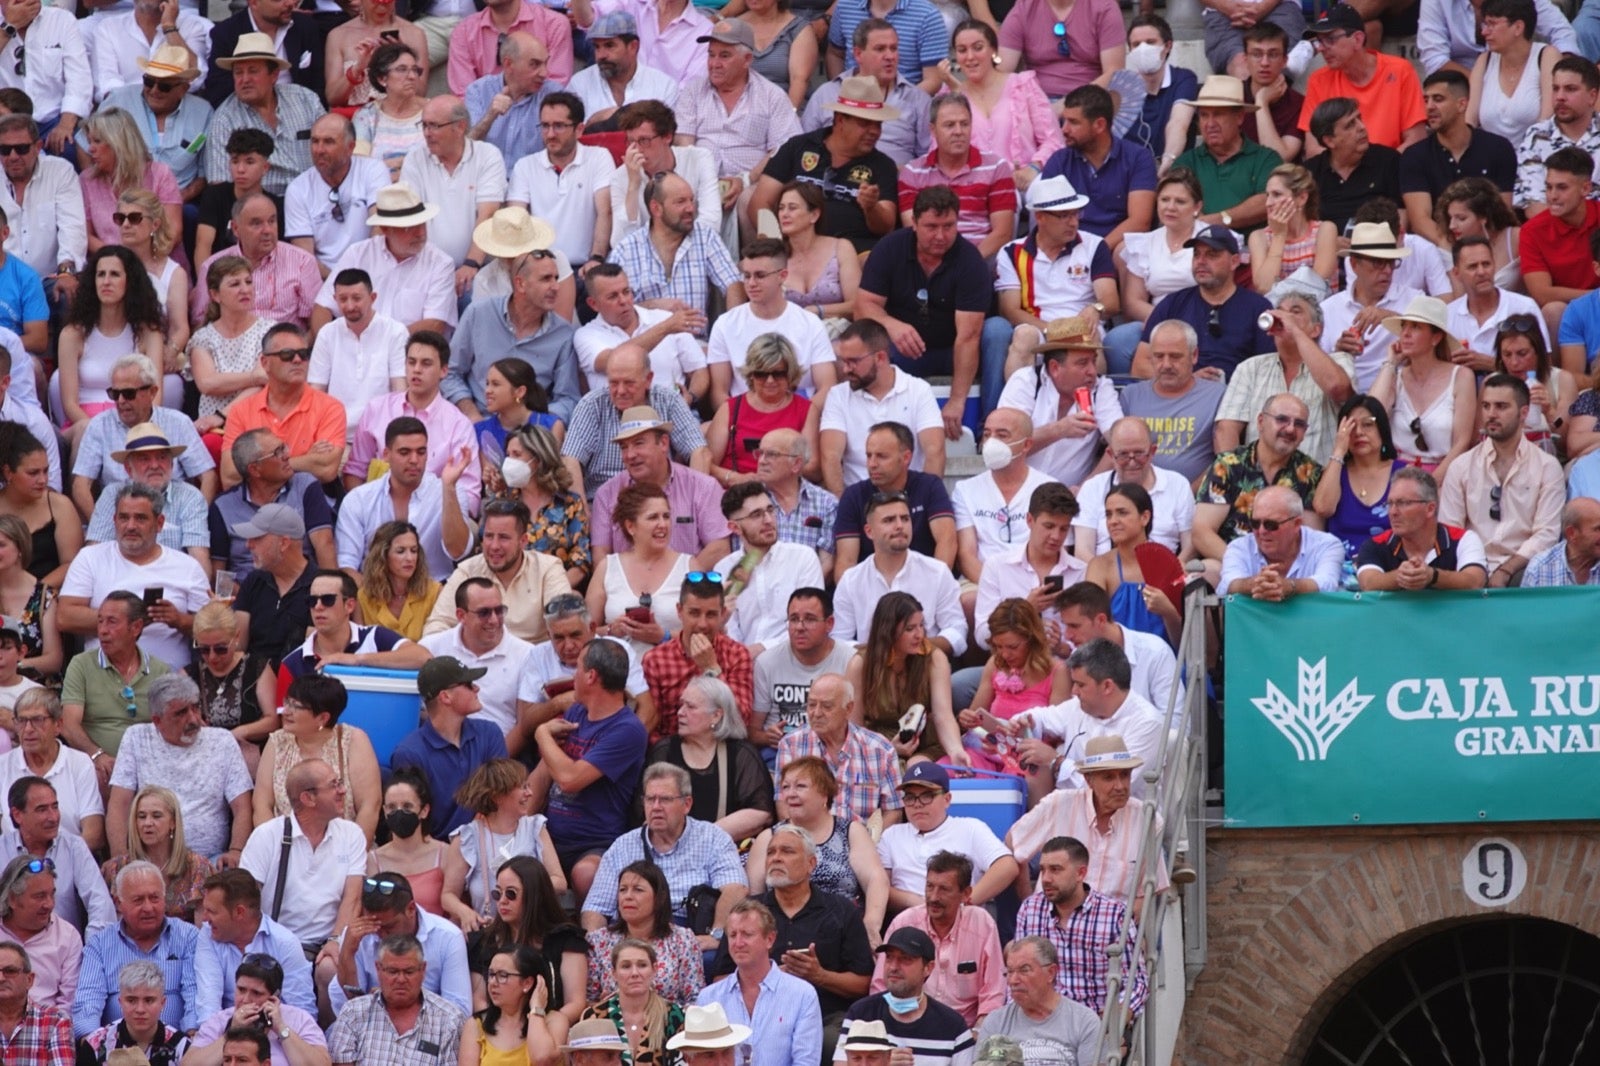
[[1494, 872]]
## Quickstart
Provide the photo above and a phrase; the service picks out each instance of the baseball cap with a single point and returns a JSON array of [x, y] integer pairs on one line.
[[1219, 237], [930, 774], [272, 519], [445, 671], [912, 941]]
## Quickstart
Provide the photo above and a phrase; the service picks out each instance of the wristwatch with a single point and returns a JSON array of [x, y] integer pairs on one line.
[[715, 671], [284, 1031], [1227, 219]]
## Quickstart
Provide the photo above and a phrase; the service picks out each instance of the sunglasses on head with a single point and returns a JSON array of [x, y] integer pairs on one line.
[[126, 394], [262, 961], [382, 886], [133, 218], [291, 355], [1519, 324], [324, 599], [710, 577]]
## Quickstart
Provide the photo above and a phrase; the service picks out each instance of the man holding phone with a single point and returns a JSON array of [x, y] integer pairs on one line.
[[1036, 571]]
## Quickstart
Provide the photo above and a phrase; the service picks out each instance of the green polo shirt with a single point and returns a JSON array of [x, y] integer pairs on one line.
[[1226, 184], [94, 684]]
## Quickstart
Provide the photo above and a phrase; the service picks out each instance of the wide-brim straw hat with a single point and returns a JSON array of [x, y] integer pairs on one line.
[[1082, 330], [1428, 310], [863, 98], [1375, 240], [253, 46], [170, 61], [511, 232], [144, 438], [707, 1027], [1109, 752], [1223, 90]]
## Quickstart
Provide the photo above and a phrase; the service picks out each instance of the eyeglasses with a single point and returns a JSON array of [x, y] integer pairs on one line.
[[1416, 431], [407, 972], [1519, 324], [1289, 420], [768, 453], [1131, 457], [511, 895], [131, 218], [503, 975], [483, 614], [324, 599], [160, 86], [710, 577], [336, 208], [31, 721], [1271, 525], [261, 960], [1063, 49], [440, 125], [9, 972], [1494, 503], [213, 649], [760, 513], [292, 355], [16, 149], [1323, 41], [1214, 322], [663, 801], [922, 797], [757, 275], [133, 707], [1393, 503], [126, 394]]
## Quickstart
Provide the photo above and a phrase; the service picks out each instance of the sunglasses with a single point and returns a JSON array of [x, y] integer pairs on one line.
[[262, 961], [1271, 525], [1416, 431], [324, 599], [1519, 324], [15, 149], [767, 375], [132, 708], [291, 355], [1494, 503], [213, 649], [710, 577], [1214, 322], [131, 218], [510, 895], [881, 498], [336, 208], [483, 614], [126, 394], [382, 886], [1063, 49], [160, 86]]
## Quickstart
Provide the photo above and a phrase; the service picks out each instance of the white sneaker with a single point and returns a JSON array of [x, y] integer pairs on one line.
[[1300, 57]]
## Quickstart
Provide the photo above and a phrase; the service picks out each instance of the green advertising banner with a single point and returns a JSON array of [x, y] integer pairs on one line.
[[1395, 708]]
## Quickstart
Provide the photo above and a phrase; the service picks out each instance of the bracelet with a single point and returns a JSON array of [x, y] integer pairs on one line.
[[169, 29], [1433, 576], [97, 753], [473, 263], [1335, 459]]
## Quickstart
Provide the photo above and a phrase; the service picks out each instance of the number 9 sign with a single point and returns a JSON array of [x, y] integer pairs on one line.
[[1494, 872]]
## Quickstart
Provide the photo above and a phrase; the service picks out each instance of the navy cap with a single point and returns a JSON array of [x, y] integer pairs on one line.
[[1338, 17], [1214, 236], [927, 773]]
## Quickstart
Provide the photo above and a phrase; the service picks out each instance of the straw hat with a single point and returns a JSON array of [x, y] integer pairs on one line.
[[145, 437], [511, 232], [400, 205], [1055, 194], [1223, 90], [596, 1034], [170, 61], [1430, 312], [254, 46], [637, 420], [863, 98], [1109, 752], [707, 1028], [1375, 240], [1082, 330]]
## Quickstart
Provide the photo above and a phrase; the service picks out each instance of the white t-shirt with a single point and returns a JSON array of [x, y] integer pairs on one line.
[[207, 776], [1172, 501], [909, 401], [497, 689], [100, 569], [905, 851], [543, 666], [356, 370], [1000, 525], [316, 878], [761, 612], [566, 200], [738, 327], [671, 362]]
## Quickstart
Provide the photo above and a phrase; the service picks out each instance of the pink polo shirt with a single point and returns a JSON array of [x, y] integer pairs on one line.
[[475, 40], [969, 973], [55, 954]]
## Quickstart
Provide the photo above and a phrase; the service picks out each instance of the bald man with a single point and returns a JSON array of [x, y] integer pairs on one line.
[[504, 107], [1575, 558], [325, 209]]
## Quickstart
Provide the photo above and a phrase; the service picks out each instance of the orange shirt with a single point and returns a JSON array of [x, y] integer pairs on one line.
[[317, 416], [1391, 102]]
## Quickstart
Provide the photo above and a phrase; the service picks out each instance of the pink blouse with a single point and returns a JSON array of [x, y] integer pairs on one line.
[[100, 201], [1021, 128]]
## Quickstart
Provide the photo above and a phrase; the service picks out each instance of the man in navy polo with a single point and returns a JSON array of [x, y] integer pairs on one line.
[[450, 743], [1118, 178], [1222, 315], [929, 287], [889, 448]]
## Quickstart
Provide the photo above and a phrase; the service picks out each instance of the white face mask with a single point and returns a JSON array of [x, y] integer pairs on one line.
[[1145, 58], [997, 453], [516, 472]]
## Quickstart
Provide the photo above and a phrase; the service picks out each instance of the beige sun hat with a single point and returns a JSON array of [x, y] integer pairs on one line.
[[863, 98], [400, 205], [170, 61], [1427, 310], [1375, 240], [1223, 90], [707, 1027], [254, 46], [511, 232], [1109, 752]]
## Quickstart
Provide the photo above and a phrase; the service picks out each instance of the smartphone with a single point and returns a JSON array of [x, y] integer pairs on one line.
[[1052, 583], [153, 594], [641, 614], [389, 35]]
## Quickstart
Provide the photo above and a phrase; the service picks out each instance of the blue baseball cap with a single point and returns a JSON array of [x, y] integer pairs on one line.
[[930, 774]]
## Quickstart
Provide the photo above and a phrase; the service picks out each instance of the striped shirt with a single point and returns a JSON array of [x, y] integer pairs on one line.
[[286, 284], [702, 260], [596, 420], [761, 120], [937, 1037], [109, 950], [297, 108], [984, 185], [1081, 945], [924, 41]]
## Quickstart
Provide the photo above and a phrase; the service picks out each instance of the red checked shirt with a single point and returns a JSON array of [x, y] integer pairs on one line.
[[44, 1038], [983, 186], [668, 668]]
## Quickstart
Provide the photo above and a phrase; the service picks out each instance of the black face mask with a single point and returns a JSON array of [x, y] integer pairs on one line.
[[402, 823]]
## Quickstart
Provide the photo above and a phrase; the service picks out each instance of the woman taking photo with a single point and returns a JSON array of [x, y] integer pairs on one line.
[[119, 162], [390, 124], [1432, 402], [728, 779], [411, 852], [55, 533], [1152, 266], [1011, 116], [234, 686], [1353, 494], [396, 591], [1519, 351], [1293, 236], [771, 403], [115, 312], [644, 912], [635, 592], [899, 666], [311, 730], [1473, 207], [225, 353], [785, 54], [514, 398], [28, 604], [558, 517], [514, 1029], [155, 835], [144, 230], [527, 913], [636, 1008], [847, 859], [498, 794], [1133, 603], [824, 273]]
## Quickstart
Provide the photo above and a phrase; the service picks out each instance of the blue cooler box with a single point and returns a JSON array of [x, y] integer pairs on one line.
[[997, 800], [384, 703]]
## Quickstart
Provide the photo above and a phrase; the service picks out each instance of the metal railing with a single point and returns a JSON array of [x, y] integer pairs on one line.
[[1176, 784]]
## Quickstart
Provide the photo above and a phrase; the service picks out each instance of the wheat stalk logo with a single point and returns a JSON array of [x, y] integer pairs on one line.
[[1311, 722]]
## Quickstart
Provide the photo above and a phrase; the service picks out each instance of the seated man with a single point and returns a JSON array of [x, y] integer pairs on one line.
[[668, 336], [1033, 570], [1579, 335], [736, 337], [805, 510], [1418, 551], [415, 283], [200, 763], [451, 742], [1383, 86], [1118, 177], [336, 640], [791, 1015], [1222, 503], [864, 763], [1177, 404], [527, 580], [1572, 560], [291, 1032], [361, 355], [1134, 461], [982, 181], [480, 639], [147, 458], [325, 208], [699, 648], [590, 450], [929, 825], [590, 758], [1480, 312], [768, 570], [1066, 434], [232, 930], [988, 506], [426, 365], [1350, 167], [688, 851], [889, 448], [651, 130], [894, 567], [268, 479], [435, 504], [80, 898], [286, 278], [675, 259], [1232, 169], [387, 909], [545, 689], [145, 933], [94, 711], [28, 921], [1223, 315], [785, 671], [962, 933], [504, 107], [875, 54], [1506, 489], [874, 391], [617, 78], [1556, 266], [1281, 559], [368, 1029], [1085, 611], [1451, 150], [313, 430], [249, 154], [1351, 317], [911, 1017], [1104, 811], [1227, 26], [1574, 122], [40, 1027], [645, 442]]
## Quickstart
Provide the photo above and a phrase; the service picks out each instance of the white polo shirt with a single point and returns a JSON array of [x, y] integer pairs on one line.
[[565, 199], [905, 852], [909, 401], [543, 666], [1137, 722], [308, 208], [423, 286], [1009, 575], [1465, 328], [356, 370], [737, 328], [1154, 666], [1062, 286], [1172, 500], [1339, 313], [480, 178], [671, 362], [1000, 524], [498, 688], [317, 876], [1070, 459]]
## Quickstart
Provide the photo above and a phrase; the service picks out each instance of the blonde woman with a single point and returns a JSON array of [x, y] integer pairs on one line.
[[395, 589], [1293, 236], [1431, 401], [146, 232], [119, 163], [773, 373], [155, 834]]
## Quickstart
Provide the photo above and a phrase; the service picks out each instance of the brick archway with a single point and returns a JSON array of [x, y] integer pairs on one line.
[[1297, 917]]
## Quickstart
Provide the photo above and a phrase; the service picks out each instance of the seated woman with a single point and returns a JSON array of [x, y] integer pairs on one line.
[[1431, 401], [311, 729], [1021, 674], [396, 590], [1294, 236], [234, 685], [411, 851], [785, 54], [644, 912], [155, 835], [636, 1008], [898, 667], [515, 1028], [1067, 45], [527, 912], [824, 273], [729, 780], [498, 793], [54, 530], [1519, 351], [734, 436], [1152, 266], [1133, 603], [1474, 207], [634, 593], [114, 313], [1355, 502], [558, 516], [1510, 83]]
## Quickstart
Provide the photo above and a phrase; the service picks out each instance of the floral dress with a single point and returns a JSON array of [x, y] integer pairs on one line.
[[562, 530], [680, 971], [648, 1054]]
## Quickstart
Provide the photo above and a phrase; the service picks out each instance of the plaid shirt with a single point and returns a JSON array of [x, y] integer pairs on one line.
[[701, 258], [810, 524], [364, 1033], [43, 1039], [867, 769], [596, 420], [1081, 946], [668, 668], [298, 108], [702, 855], [1550, 569]]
